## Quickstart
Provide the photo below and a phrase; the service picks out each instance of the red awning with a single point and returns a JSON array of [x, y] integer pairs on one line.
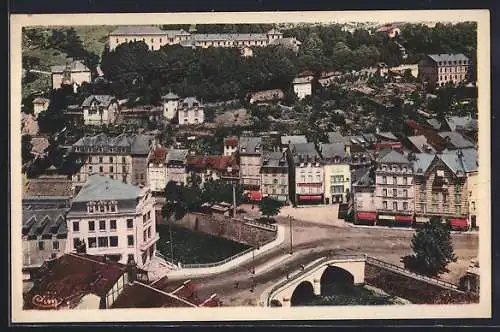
[[255, 196], [459, 223], [404, 218], [310, 197], [366, 215]]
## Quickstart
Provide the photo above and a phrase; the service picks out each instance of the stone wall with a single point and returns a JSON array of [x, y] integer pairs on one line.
[[229, 228]]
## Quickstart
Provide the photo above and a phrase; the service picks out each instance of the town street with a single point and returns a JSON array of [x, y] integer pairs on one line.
[[313, 239]]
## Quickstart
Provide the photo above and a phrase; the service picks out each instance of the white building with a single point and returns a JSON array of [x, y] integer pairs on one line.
[[157, 169], [302, 86], [113, 219], [100, 109], [230, 145], [40, 105], [190, 111], [170, 104]]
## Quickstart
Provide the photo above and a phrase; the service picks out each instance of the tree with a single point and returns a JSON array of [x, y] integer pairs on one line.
[[433, 249], [26, 149], [270, 207]]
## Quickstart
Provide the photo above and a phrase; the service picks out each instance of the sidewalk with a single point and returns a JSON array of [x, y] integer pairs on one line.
[[408, 229]]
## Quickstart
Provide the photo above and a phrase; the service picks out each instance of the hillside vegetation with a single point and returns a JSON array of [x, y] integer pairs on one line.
[[45, 47]]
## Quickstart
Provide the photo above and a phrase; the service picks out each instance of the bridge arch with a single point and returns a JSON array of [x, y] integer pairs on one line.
[[276, 303], [334, 277], [303, 293]]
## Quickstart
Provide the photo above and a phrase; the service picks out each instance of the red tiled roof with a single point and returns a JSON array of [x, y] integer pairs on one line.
[[231, 141], [73, 276], [220, 163], [158, 155]]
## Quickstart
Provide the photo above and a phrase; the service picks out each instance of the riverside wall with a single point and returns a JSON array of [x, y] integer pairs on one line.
[[233, 229]]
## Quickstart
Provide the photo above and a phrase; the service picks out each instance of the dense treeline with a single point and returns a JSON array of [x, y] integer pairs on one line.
[[222, 73]]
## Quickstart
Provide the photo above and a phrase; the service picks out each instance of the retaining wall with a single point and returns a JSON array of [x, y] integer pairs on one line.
[[230, 228]]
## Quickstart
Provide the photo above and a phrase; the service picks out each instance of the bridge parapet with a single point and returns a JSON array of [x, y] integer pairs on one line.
[[312, 272]]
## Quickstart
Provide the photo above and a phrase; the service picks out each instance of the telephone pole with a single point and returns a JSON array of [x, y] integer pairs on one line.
[[291, 237]]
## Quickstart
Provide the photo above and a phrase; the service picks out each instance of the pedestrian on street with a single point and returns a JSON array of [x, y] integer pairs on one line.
[[236, 284]]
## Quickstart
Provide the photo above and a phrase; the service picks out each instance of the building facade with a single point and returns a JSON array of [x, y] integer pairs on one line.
[[170, 103], [230, 145], [439, 69], [99, 110], [40, 105], [190, 111], [211, 168], [394, 188], [337, 184], [72, 73], [113, 219], [307, 174], [157, 169], [250, 155], [155, 38], [44, 236], [442, 188], [302, 86], [274, 176], [176, 166], [363, 196], [122, 157]]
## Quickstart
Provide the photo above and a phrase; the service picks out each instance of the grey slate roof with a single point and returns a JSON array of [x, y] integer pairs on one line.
[[75, 66], [457, 140], [190, 101], [467, 163], [304, 151], [448, 57], [248, 145], [419, 142], [333, 150], [137, 30], [461, 122], [434, 123], [43, 222], [335, 137], [177, 155], [422, 162], [228, 36], [293, 139], [393, 157], [370, 137], [361, 177], [387, 135], [102, 100], [135, 144], [100, 187], [170, 96], [273, 159]]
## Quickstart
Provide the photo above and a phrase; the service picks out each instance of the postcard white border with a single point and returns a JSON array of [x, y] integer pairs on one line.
[[481, 310]]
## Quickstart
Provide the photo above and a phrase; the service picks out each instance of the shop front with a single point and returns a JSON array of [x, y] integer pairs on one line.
[[395, 220], [365, 218], [310, 199], [459, 224]]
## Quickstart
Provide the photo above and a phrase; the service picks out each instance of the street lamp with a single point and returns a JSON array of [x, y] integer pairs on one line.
[[291, 238]]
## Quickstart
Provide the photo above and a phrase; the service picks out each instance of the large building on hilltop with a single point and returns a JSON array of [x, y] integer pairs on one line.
[[122, 157], [155, 38], [438, 69], [113, 219]]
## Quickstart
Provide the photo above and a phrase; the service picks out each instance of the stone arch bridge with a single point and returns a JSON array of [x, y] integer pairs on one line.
[[314, 279]]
